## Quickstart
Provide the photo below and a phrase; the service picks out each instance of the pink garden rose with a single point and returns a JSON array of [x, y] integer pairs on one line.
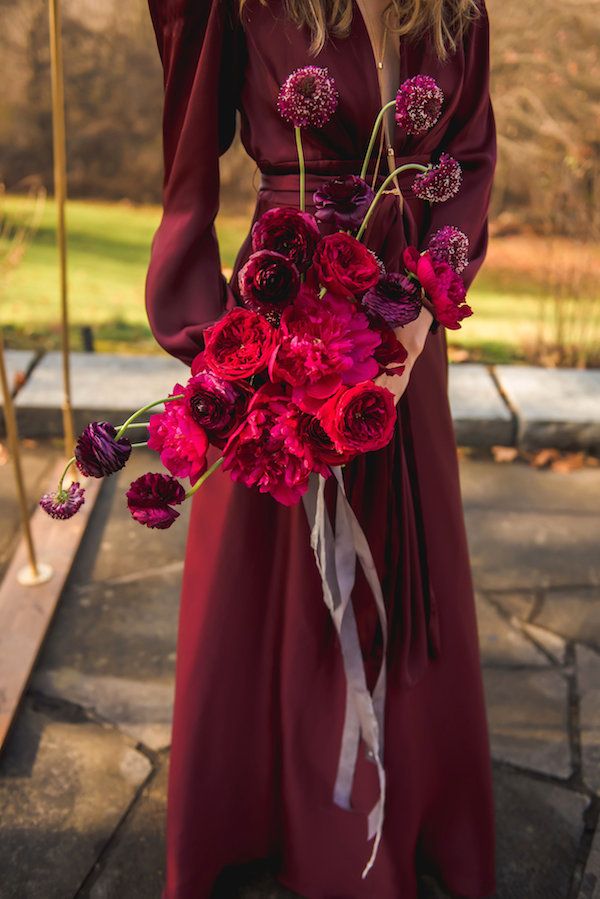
[[345, 266], [239, 345], [444, 287], [359, 419]]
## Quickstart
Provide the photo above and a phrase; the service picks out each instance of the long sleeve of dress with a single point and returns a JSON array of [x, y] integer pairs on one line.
[[471, 139], [199, 47]]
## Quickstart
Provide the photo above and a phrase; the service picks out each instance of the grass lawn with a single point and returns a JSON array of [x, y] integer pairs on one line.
[[108, 255]]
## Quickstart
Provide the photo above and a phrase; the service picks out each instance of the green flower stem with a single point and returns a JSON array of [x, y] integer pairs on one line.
[[135, 424], [373, 137], [132, 418], [204, 477], [64, 474], [411, 166], [145, 443], [301, 165]]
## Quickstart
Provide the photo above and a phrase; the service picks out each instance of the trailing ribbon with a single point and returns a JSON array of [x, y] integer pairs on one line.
[[336, 555]]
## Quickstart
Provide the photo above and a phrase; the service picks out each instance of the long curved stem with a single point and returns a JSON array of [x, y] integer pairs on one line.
[[410, 166], [373, 138], [63, 475], [302, 167], [132, 418], [204, 477]]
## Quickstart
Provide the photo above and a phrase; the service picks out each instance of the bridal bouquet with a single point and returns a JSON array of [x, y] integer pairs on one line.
[[285, 383]]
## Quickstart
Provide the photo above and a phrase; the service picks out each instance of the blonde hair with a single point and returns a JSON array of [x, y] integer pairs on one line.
[[444, 20]]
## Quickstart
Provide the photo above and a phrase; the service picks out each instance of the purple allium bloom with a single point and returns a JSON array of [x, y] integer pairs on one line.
[[450, 245], [215, 404], [150, 499], [343, 201], [98, 453], [395, 298], [308, 97], [64, 503], [440, 182], [418, 104]]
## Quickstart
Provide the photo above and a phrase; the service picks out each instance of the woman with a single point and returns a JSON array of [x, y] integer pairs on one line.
[[260, 688]]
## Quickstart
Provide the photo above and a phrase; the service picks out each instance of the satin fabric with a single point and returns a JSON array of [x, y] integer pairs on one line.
[[260, 691]]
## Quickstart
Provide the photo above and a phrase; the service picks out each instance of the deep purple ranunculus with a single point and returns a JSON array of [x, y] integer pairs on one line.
[[288, 231], [418, 104], [97, 453], [308, 97], [395, 298], [268, 283], [451, 245], [343, 201], [215, 404], [64, 503], [440, 182], [151, 497]]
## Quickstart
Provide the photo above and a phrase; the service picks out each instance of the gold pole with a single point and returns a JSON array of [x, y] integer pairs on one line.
[[60, 194], [35, 574]]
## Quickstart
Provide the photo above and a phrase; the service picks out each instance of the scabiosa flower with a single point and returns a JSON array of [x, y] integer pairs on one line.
[[343, 202], [268, 282], [64, 503], [395, 298], [450, 245], [418, 104], [440, 182], [179, 439], [308, 97], [97, 453], [151, 498], [288, 231]]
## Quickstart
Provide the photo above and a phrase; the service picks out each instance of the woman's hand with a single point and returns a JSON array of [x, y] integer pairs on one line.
[[412, 337]]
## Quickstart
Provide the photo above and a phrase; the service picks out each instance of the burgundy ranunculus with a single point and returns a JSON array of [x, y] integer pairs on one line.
[[359, 419], [268, 282], [64, 503], [97, 453], [343, 202], [263, 452], [239, 345], [395, 298], [151, 498], [391, 353], [216, 405], [288, 231], [443, 286], [345, 266], [308, 97], [324, 343], [180, 441]]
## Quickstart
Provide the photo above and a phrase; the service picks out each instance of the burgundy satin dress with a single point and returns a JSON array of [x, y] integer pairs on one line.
[[260, 688]]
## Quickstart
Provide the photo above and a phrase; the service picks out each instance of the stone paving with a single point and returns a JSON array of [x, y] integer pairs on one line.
[[83, 776]]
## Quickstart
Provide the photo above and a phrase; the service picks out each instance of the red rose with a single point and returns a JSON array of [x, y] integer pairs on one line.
[[268, 282], [391, 353], [359, 419], [345, 266], [288, 231], [444, 287], [239, 345]]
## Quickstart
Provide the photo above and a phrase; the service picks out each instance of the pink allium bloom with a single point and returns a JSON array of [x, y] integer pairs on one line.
[[151, 497], [263, 451], [308, 97], [440, 182], [418, 104], [288, 231], [64, 503], [324, 343], [450, 245], [443, 286], [180, 441]]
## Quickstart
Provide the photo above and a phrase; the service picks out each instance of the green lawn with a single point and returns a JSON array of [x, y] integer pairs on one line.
[[108, 256]]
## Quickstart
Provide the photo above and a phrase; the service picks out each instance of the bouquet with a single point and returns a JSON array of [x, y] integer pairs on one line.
[[285, 385]]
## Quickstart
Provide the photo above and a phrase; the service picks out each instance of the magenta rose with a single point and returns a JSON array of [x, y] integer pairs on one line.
[[151, 498], [343, 202], [359, 419], [288, 231], [444, 287], [181, 443], [239, 345], [345, 266], [263, 452], [216, 405], [324, 343], [268, 282]]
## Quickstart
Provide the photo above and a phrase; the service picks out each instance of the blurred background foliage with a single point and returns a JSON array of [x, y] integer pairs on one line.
[[538, 297]]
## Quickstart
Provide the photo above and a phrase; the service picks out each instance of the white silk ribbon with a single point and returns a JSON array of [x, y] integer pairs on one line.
[[336, 555]]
